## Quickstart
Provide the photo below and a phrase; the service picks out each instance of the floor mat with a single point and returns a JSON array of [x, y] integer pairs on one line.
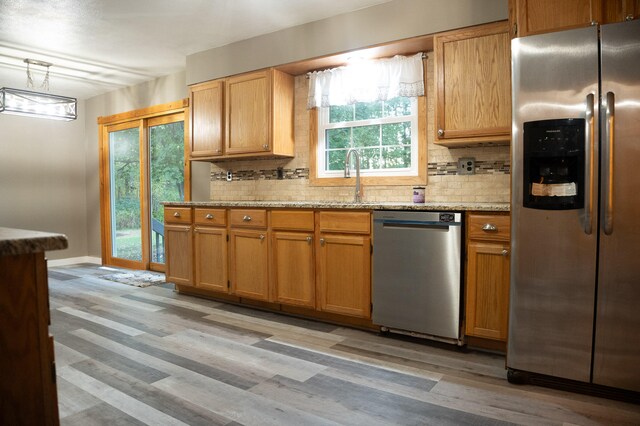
[[136, 278]]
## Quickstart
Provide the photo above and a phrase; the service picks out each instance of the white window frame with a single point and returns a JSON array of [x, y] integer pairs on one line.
[[324, 125]]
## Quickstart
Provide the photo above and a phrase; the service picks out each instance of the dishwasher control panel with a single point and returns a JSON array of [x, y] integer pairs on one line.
[[447, 217]]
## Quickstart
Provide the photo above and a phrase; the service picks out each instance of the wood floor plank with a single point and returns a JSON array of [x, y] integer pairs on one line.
[[117, 399], [64, 355], [220, 350], [538, 405], [132, 367], [72, 399], [243, 407], [179, 408], [165, 359], [348, 365], [403, 367], [101, 415], [102, 321]]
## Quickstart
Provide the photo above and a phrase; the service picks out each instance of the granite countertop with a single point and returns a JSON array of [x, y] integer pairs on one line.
[[21, 241], [431, 206]]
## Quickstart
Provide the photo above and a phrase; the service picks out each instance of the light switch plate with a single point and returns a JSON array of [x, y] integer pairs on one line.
[[466, 166]]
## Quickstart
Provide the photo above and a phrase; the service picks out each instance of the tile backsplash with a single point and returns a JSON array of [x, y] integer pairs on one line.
[[259, 180]]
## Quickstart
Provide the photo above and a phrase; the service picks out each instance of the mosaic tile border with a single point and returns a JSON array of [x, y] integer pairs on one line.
[[433, 169]]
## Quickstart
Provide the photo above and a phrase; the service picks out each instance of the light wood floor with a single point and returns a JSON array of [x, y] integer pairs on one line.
[[128, 355]]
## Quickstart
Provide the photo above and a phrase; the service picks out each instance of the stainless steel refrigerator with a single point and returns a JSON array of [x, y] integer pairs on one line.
[[575, 265]]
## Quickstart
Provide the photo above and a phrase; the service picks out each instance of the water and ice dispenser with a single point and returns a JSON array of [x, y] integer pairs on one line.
[[554, 164]]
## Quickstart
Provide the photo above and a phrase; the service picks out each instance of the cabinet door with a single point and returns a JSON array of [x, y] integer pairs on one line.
[[344, 274], [248, 100], [620, 10], [487, 300], [249, 264], [179, 254], [211, 258], [206, 119], [293, 268], [473, 96], [543, 16]]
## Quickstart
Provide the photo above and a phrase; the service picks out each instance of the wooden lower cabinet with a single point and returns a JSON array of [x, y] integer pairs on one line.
[[293, 268], [344, 274], [487, 290], [179, 254], [210, 260], [249, 263], [28, 386], [487, 276]]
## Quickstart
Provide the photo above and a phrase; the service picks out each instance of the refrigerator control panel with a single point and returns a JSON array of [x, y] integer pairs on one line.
[[553, 164]]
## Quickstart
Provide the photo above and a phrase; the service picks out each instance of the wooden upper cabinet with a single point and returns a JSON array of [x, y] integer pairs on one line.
[[259, 114], [473, 85], [207, 119], [530, 17]]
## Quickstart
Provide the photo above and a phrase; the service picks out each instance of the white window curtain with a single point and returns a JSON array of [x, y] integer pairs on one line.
[[367, 81]]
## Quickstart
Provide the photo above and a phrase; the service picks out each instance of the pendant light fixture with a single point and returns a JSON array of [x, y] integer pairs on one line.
[[38, 104]]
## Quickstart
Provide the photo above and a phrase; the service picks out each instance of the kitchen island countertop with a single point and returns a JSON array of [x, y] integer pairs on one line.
[[22, 241], [430, 206]]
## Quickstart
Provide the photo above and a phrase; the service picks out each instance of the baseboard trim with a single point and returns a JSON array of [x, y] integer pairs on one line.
[[74, 261]]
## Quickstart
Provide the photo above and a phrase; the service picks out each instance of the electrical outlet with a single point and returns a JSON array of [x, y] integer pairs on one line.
[[466, 166], [229, 175], [280, 173]]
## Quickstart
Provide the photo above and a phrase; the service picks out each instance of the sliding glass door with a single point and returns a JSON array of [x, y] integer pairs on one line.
[[126, 193], [166, 176], [143, 165]]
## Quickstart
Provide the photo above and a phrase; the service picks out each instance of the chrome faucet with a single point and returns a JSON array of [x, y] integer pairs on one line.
[[347, 172]]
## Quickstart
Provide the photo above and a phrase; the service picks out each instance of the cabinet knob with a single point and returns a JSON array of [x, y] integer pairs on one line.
[[309, 239], [505, 252], [261, 237], [246, 219], [176, 214], [440, 132], [321, 241], [209, 216], [265, 147], [218, 151], [489, 227]]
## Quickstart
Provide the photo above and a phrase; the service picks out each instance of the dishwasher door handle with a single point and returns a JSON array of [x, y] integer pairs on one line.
[[415, 225]]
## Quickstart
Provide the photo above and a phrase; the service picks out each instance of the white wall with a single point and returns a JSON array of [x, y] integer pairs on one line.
[[42, 178], [387, 22]]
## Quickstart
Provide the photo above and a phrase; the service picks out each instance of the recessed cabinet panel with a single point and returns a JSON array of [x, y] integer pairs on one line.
[[293, 268], [210, 246], [344, 285], [207, 119], [248, 113], [179, 254], [473, 85], [249, 262]]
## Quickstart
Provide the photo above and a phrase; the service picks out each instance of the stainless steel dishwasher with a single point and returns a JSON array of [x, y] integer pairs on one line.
[[416, 273]]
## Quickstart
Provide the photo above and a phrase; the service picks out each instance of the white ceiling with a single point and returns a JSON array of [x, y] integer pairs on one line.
[[97, 46]]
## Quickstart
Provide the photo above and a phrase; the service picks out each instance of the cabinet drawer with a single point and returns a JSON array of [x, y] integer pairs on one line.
[[248, 218], [348, 222], [488, 227], [177, 215], [292, 220], [212, 217]]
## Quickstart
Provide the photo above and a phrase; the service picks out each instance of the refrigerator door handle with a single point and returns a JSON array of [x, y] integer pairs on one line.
[[588, 158], [609, 140]]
